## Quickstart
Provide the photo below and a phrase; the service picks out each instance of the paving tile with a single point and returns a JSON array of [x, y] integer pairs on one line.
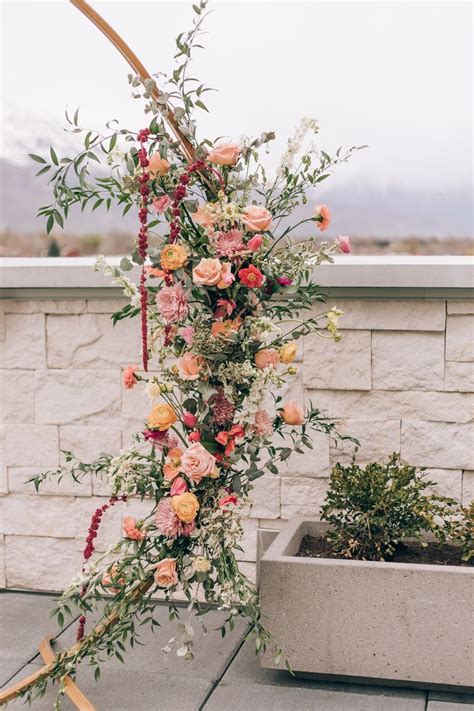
[[124, 689], [245, 685], [451, 697], [449, 706], [25, 621]]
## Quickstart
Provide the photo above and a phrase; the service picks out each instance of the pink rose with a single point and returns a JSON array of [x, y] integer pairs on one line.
[[189, 366], [323, 217], [344, 244], [189, 419], [255, 243], [197, 462], [226, 276], [263, 424], [178, 487], [128, 378], [224, 154], [158, 165], [231, 499], [257, 218], [172, 303], [265, 358], [165, 573], [292, 414], [161, 204], [187, 334], [208, 272]]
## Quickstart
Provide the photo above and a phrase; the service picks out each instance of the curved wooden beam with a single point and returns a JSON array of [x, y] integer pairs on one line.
[[138, 68], [77, 697]]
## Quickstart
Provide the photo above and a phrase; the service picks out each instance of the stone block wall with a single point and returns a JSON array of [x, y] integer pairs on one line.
[[400, 380]]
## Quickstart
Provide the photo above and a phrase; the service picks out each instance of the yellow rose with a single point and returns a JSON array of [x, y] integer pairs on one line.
[[185, 506], [161, 417], [173, 256], [288, 352]]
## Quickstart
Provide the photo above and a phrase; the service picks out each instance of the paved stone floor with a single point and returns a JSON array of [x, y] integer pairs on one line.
[[225, 675]]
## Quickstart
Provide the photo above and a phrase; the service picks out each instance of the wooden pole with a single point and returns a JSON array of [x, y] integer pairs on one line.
[[185, 145]]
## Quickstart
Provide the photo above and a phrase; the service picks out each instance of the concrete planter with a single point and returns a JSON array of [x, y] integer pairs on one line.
[[365, 621]]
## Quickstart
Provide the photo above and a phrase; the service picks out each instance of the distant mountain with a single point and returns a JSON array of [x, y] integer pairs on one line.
[[357, 209]]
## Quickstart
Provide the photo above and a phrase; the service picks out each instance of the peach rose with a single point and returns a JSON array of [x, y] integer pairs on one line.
[[203, 217], [173, 256], [189, 366], [185, 506], [292, 414], [226, 329], [161, 417], [224, 154], [265, 358], [323, 217], [208, 272], [165, 573], [158, 165], [197, 462], [288, 352], [257, 218]]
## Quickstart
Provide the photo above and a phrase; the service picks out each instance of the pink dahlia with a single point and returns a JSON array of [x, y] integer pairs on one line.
[[172, 303], [222, 409], [228, 244], [168, 523]]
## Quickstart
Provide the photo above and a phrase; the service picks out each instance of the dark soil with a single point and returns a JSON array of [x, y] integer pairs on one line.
[[413, 552]]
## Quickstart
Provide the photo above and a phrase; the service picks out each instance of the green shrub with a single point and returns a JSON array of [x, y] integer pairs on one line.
[[372, 509]]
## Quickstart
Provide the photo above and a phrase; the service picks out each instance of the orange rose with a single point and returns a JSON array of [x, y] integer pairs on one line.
[[185, 506], [257, 218], [165, 573], [292, 414], [189, 366], [226, 329], [173, 256], [208, 272], [158, 165], [224, 154], [161, 417], [265, 358]]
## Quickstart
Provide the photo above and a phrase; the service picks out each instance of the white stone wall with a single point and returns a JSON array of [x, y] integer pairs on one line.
[[400, 380]]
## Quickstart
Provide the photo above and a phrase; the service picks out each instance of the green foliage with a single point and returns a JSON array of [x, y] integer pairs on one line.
[[459, 529], [372, 509]]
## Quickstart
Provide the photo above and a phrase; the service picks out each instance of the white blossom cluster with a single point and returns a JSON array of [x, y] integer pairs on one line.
[[295, 143]]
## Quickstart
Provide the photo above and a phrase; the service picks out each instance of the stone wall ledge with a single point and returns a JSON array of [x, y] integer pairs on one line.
[[404, 277]]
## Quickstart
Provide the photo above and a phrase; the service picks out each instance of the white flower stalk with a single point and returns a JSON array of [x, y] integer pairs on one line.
[[294, 144], [129, 288]]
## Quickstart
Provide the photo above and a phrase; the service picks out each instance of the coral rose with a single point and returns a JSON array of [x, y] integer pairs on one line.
[[197, 462], [131, 531], [257, 218], [323, 217], [162, 417], [173, 256], [251, 277], [185, 506], [189, 366], [265, 358], [292, 414], [208, 272], [288, 352], [165, 573], [128, 378], [158, 165], [224, 154]]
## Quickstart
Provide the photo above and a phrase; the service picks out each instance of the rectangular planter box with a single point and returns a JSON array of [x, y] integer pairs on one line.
[[373, 622]]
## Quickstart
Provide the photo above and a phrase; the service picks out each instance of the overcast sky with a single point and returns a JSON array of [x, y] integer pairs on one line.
[[394, 75]]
